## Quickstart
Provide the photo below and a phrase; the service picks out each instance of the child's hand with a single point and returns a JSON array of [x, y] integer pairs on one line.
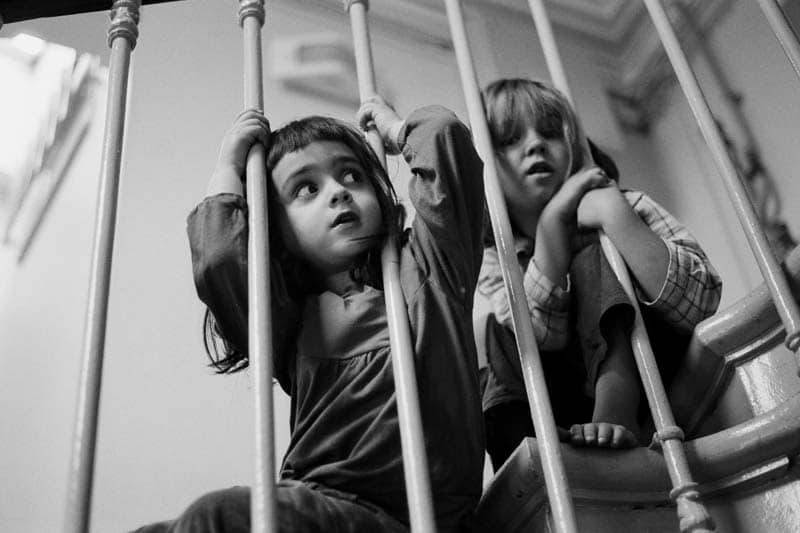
[[375, 112], [599, 206], [558, 223], [563, 206], [249, 128]]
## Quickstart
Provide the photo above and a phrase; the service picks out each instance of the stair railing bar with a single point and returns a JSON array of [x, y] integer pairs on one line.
[[541, 411], [757, 239], [263, 507], [692, 514], [783, 30], [122, 34], [415, 462]]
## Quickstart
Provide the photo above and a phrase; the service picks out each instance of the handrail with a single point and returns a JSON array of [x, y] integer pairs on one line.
[[415, 462], [692, 513], [20, 10], [122, 34], [730, 459], [744, 330], [263, 506], [533, 374]]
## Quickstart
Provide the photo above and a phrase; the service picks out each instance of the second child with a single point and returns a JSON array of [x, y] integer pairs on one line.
[[581, 317]]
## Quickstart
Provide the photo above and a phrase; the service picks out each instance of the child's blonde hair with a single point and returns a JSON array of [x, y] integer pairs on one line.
[[512, 103]]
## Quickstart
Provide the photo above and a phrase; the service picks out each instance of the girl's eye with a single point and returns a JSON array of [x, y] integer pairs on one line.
[[550, 133], [350, 177], [510, 141], [305, 189]]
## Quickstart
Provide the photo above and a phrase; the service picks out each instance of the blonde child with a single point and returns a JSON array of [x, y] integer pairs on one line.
[[581, 316]]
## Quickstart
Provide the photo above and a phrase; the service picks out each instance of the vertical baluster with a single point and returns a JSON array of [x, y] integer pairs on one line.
[[122, 35], [415, 463], [770, 269], [533, 374], [783, 31], [692, 514], [263, 511]]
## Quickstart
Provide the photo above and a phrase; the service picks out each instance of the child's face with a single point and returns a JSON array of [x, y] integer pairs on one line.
[[328, 212], [533, 167]]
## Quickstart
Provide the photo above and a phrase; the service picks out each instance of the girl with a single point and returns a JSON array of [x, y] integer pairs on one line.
[[332, 207], [576, 304]]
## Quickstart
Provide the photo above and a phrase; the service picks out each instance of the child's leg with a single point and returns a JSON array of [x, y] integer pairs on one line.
[[301, 508], [507, 415], [617, 397], [603, 319]]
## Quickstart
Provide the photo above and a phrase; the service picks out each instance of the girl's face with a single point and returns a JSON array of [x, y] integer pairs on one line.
[[533, 166], [328, 213]]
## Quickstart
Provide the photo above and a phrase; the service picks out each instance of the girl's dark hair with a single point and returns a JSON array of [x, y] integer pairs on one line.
[[291, 271], [509, 105]]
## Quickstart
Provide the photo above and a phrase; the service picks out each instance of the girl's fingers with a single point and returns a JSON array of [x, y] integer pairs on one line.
[[364, 116]]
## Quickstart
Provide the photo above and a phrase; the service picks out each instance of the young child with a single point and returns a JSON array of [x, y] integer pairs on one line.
[[332, 207], [578, 310]]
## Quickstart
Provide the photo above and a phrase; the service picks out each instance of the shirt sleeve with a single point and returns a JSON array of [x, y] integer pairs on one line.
[[446, 189], [218, 232], [548, 304], [692, 288]]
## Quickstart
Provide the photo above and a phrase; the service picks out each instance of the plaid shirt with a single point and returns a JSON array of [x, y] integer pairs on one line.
[[691, 290]]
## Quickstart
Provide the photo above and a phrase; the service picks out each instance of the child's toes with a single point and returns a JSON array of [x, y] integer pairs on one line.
[[602, 435], [623, 438], [605, 434], [576, 435], [590, 434]]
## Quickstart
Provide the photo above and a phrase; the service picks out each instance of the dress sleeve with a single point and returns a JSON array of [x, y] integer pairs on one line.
[[218, 232], [548, 304], [446, 189], [692, 288]]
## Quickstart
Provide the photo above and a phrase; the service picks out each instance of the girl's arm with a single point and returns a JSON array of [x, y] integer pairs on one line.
[[672, 273], [446, 189], [218, 234]]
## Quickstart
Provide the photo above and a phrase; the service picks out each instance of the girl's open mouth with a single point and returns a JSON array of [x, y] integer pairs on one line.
[[539, 168], [344, 218]]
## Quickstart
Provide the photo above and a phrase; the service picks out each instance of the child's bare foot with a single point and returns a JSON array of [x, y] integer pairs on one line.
[[602, 435], [617, 398]]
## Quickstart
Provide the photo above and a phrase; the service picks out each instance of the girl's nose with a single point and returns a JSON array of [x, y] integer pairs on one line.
[[534, 145], [340, 195]]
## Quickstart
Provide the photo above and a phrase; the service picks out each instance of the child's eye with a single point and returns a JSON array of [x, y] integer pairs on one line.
[[351, 177], [305, 189], [511, 140], [551, 133]]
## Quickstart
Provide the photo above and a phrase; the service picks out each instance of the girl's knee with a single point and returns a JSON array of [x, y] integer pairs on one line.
[[226, 510]]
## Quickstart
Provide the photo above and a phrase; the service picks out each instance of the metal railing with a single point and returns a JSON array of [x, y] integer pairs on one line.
[[541, 411], [415, 462]]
